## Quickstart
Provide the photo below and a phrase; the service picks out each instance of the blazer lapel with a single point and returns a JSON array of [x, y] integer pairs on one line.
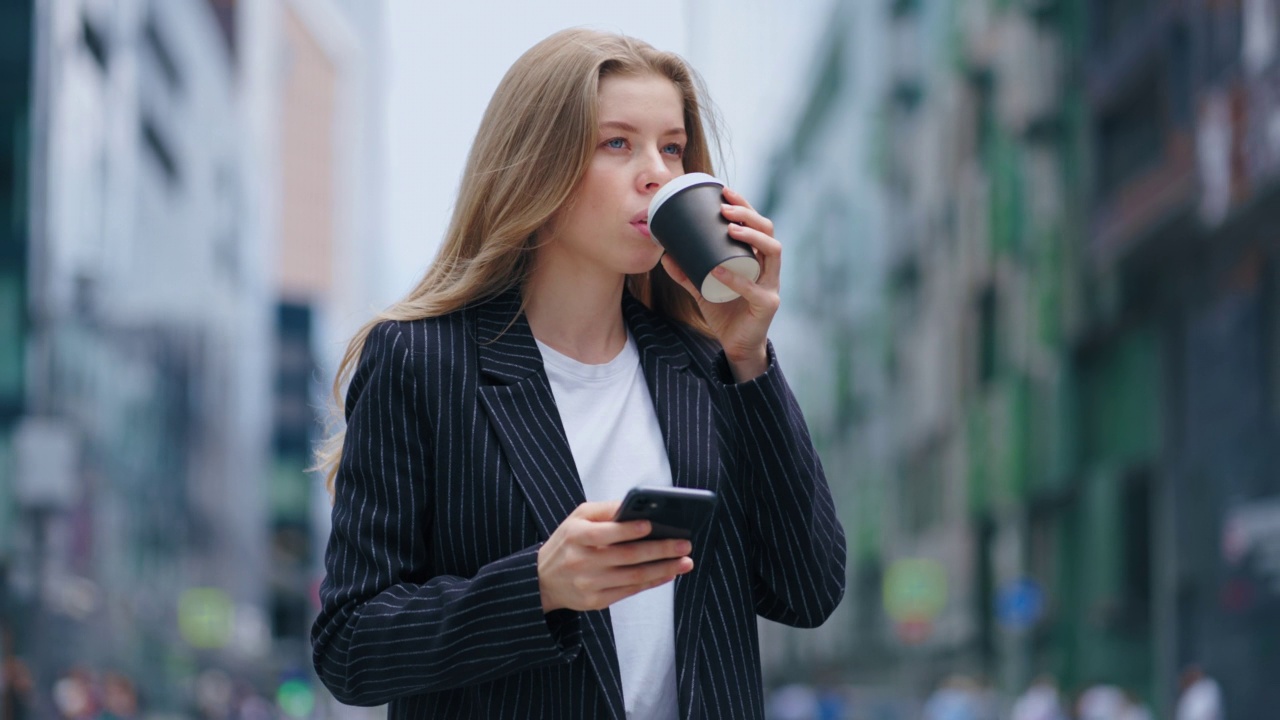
[[517, 397], [683, 405]]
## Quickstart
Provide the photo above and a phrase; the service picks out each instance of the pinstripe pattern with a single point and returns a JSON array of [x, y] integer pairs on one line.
[[456, 469]]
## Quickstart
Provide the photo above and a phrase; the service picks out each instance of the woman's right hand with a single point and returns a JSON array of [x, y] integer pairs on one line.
[[585, 566]]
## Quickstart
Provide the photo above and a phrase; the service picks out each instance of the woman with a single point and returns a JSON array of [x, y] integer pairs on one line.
[[549, 360]]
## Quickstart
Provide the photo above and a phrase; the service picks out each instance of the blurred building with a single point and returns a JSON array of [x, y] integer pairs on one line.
[[1181, 356], [330, 260], [1079, 302], [824, 187], [141, 448], [16, 96], [180, 180]]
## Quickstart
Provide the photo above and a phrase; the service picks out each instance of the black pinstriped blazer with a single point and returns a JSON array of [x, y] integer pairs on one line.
[[456, 469]]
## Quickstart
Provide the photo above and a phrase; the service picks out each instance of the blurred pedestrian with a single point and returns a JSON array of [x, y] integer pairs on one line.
[[1201, 697], [987, 699], [550, 359], [794, 701], [1101, 701], [17, 689], [119, 698], [1134, 707], [955, 698], [74, 696], [253, 706], [1040, 701]]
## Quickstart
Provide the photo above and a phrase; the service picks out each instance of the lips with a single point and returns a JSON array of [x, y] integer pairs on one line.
[[640, 221]]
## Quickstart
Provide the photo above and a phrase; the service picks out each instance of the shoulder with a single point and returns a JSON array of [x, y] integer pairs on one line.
[[422, 335], [415, 343]]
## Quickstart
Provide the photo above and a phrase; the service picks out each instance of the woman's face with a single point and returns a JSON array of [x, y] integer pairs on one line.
[[639, 147]]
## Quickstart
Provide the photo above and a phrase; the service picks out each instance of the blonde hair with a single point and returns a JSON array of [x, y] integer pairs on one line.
[[535, 141]]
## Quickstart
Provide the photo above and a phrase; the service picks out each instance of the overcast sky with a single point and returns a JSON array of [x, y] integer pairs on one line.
[[445, 59]]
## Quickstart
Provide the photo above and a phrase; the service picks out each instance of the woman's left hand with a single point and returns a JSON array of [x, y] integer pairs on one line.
[[742, 325]]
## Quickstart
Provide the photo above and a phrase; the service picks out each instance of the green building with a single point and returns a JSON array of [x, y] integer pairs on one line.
[[16, 57], [1075, 427]]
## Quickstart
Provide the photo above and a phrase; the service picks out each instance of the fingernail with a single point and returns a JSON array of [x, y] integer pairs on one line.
[[684, 548], [727, 206]]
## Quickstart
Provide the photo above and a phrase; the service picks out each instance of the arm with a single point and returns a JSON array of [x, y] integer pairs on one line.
[[386, 628], [800, 546], [799, 543]]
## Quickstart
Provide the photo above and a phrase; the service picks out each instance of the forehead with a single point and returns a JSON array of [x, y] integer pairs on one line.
[[630, 98]]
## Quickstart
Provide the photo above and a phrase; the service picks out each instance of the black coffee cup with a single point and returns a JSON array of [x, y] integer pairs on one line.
[[685, 219]]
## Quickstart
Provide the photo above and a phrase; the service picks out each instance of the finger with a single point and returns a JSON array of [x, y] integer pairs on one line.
[[611, 596], [747, 216], [603, 533], [646, 574], [756, 238], [736, 198], [763, 299], [597, 510], [646, 551], [769, 251]]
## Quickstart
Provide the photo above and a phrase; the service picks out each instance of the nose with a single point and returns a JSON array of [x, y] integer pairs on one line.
[[654, 172]]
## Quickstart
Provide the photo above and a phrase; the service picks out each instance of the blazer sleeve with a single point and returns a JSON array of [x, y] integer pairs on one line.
[[386, 628], [799, 558]]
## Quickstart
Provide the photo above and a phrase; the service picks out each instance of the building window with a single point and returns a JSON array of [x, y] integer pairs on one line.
[[1181, 102], [1272, 292], [1223, 24], [161, 54], [12, 345], [821, 101], [95, 42], [225, 12], [295, 420], [290, 616], [988, 337], [924, 490], [158, 148], [1135, 536], [1114, 20], [984, 595], [1130, 136]]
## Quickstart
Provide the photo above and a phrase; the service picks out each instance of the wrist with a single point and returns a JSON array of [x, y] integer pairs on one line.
[[748, 366], [544, 596]]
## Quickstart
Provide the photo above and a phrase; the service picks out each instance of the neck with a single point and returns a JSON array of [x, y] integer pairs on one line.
[[576, 311]]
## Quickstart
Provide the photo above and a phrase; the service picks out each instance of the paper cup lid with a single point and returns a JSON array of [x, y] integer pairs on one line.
[[675, 185]]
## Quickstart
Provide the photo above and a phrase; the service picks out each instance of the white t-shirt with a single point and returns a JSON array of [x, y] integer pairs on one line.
[[617, 444]]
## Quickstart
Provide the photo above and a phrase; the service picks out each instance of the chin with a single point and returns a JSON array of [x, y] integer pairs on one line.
[[644, 264]]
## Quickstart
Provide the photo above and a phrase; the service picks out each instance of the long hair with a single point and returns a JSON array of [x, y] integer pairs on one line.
[[533, 147]]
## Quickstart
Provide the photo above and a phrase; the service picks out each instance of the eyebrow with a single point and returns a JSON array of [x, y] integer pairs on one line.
[[632, 128]]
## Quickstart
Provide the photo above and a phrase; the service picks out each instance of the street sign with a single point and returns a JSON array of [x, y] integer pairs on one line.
[[915, 593], [48, 462], [1020, 604]]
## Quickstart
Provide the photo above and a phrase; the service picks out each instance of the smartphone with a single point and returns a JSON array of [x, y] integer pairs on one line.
[[674, 512]]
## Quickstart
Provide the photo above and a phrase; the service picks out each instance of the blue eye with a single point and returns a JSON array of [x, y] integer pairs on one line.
[[675, 149], [616, 143]]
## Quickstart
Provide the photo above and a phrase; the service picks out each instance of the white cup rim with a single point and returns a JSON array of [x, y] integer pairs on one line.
[[677, 184]]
